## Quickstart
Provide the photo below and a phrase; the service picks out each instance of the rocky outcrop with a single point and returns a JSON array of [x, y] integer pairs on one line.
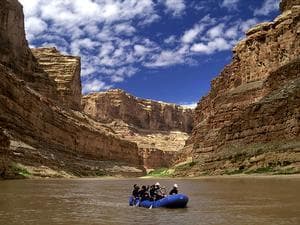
[[141, 113], [45, 133], [65, 71], [252, 108], [158, 128], [288, 4]]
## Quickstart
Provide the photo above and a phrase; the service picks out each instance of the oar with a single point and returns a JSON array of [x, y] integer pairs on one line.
[[151, 206], [137, 204]]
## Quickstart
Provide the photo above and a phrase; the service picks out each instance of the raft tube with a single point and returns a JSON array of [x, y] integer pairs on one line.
[[171, 201]]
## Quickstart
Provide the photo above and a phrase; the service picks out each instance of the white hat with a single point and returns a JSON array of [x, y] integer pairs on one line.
[[175, 185], [157, 184]]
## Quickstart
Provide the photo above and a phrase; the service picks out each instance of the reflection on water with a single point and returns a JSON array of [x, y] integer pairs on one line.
[[212, 201]]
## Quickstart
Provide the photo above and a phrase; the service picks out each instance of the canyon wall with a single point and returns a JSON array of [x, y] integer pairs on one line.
[[159, 129], [154, 158], [43, 131], [141, 113], [250, 119]]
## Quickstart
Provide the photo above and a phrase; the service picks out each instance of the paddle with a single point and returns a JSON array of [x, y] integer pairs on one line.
[[152, 204], [137, 204]]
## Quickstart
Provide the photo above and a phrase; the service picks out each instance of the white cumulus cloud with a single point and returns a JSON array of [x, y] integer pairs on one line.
[[189, 105], [267, 7], [113, 39], [230, 4], [94, 86], [35, 26], [190, 35], [218, 44], [176, 7]]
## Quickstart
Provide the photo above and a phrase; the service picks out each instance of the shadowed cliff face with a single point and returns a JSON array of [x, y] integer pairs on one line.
[[15, 53], [14, 49], [45, 134], [252, 109]]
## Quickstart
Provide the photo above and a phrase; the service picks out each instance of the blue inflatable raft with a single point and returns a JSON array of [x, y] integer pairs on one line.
[[171, 201]]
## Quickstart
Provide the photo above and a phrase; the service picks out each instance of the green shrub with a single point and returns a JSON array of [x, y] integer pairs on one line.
[[186, 166], [287, 171], [233, 172], [100, 173], [20, 170], [161, 172], [261, 170]]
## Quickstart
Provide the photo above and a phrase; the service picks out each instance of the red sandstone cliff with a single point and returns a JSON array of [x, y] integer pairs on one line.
[[249, 121], [45, 134], [141, 113], [159, 129]]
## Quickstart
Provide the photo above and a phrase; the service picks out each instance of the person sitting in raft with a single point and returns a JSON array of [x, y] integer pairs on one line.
[[152, 192], [174, 190], [143, 193], [135, 192], [158, 192]]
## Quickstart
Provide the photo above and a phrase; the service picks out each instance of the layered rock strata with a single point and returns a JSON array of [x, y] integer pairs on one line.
[[142, 113], [37, 121], [252, 109], [159, 129], [65, 71], [155, 158], [45, 134]]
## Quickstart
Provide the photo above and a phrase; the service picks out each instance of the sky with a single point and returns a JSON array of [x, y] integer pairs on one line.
[[166, 50]]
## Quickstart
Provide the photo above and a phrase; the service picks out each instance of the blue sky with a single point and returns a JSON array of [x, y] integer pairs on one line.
[[167, 50]]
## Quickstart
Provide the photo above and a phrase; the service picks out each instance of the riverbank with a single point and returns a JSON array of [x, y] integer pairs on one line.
[[112, 169], [20, 171], [246, 176], [120, 177]]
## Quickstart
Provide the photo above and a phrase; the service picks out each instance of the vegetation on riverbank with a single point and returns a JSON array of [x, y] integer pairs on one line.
[[265, 171], [20, 170], [161, 172]]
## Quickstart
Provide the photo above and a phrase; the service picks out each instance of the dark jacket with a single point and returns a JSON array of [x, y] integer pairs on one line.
[[174, 191], [135, 192]]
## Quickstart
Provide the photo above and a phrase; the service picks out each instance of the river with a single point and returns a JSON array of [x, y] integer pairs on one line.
[[105, 202]]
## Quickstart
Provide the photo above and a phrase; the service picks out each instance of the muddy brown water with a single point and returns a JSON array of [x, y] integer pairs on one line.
[[96, 202]]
